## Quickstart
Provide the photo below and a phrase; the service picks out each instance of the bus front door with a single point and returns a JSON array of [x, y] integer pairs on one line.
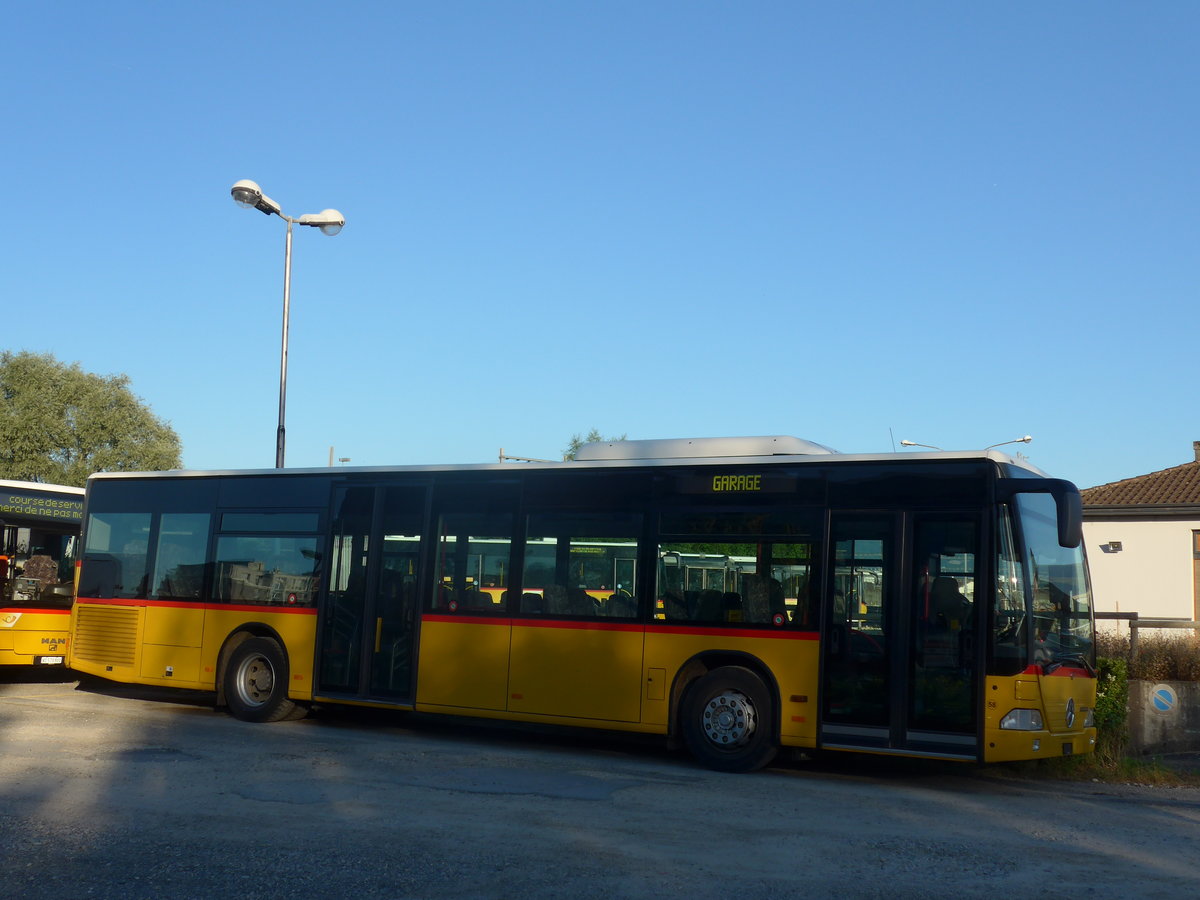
[[899, 661], [368, 618]]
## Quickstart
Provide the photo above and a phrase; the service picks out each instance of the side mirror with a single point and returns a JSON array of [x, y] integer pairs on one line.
[[1070, 517], [1067, 502]]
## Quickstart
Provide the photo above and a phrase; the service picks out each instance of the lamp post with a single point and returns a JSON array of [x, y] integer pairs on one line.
[[248, 195]]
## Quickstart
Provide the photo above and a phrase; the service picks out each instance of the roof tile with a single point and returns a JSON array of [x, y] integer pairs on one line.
[[1177, 486]]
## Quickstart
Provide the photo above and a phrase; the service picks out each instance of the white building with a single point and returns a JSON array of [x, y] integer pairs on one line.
[[1143, 542]]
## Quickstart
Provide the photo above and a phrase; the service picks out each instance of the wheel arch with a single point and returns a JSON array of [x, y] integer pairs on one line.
[[244, 632], [704, 662]]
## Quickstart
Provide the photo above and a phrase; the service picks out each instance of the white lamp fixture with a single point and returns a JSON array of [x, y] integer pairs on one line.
[[1020, 440]]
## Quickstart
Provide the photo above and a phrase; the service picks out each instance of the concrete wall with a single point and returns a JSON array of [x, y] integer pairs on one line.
[[1152, 573], [1164, 717]]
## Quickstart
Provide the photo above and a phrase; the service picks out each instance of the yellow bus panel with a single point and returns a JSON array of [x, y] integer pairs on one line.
[[26, 635], [174, 626], [582, 670], [166, 664], [463, 662]]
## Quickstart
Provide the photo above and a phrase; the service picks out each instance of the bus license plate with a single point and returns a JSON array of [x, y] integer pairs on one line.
[[49, 660]]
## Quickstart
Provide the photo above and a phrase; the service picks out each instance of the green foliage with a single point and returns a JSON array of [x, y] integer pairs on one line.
[[1112, 709], [1112, 694], [592, 436], [59, 424]]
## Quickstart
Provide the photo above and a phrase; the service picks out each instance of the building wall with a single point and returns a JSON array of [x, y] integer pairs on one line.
[[1152, 574]]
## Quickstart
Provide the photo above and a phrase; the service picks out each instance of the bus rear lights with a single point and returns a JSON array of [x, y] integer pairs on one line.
[[1022, 720]]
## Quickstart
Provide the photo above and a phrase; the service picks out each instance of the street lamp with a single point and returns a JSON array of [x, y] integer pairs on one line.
[[1020, 440], [248, 195]]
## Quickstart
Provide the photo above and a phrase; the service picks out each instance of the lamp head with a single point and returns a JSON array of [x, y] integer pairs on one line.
[[330, 221], [248, 195]]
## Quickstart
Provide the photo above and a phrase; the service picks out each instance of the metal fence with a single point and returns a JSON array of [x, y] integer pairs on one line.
[[1136, 623]]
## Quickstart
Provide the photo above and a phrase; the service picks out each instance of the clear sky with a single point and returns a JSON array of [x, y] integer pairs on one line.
[[854, 222]]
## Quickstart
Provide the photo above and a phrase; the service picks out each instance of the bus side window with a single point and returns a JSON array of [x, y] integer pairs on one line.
[[581, 565], [179, 560], [473, 568]]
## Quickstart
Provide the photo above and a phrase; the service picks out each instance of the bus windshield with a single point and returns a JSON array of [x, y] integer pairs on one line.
[[1061, 596]]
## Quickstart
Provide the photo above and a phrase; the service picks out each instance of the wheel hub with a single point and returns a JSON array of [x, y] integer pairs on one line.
[[257, 680], [729, 719]]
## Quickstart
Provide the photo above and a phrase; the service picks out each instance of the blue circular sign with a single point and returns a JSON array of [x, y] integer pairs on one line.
[[1163, 698]]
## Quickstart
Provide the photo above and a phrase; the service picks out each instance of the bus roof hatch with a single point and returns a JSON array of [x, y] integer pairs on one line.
[[699, 448]]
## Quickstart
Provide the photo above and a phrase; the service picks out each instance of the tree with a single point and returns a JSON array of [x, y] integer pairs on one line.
[[592, 437], [59, 424]]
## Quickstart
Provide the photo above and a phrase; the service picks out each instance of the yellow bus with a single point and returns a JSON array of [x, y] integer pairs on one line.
[[39, 536], [735, 595]]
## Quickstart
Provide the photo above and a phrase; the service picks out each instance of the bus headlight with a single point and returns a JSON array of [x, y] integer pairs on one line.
[[1089, 718], [1022, 720]]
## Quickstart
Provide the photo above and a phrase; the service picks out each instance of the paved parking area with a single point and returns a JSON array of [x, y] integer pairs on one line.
[[115, 792]]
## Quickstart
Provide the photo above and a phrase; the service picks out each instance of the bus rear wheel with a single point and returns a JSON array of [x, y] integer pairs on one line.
[[256, 682], [727, 718]]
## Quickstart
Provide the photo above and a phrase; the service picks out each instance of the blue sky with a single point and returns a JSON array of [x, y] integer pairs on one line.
[[953, 223]]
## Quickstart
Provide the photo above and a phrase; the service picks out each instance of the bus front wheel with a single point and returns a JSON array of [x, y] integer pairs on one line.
[[727, 720], [256, 682]]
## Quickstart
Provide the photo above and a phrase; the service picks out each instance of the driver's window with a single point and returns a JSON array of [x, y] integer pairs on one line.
[[1009, 636]]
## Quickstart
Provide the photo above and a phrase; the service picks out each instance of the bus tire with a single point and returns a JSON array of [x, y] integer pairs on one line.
[[256, 682], [727, 720]]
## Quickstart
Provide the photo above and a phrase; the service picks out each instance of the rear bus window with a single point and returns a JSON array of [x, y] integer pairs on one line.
[[114, 559]]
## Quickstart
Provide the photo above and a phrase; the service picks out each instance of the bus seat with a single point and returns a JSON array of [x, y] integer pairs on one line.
[[756, 605], [947, 604], [622, 605], [674, 607], [555, 600], [41, 568], [581, 603], [710, 606]]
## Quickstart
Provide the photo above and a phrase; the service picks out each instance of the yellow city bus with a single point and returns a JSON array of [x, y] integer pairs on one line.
[[39, 535], [736, 595]]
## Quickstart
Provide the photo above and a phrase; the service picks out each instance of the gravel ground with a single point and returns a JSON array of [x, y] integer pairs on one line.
[[119, 793]]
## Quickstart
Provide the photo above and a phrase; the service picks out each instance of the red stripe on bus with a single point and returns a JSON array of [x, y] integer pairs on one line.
[[507, 621], [586, 625], [1060, 672], [592, 625], [467, 620], [779, 633], [186, 604]]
